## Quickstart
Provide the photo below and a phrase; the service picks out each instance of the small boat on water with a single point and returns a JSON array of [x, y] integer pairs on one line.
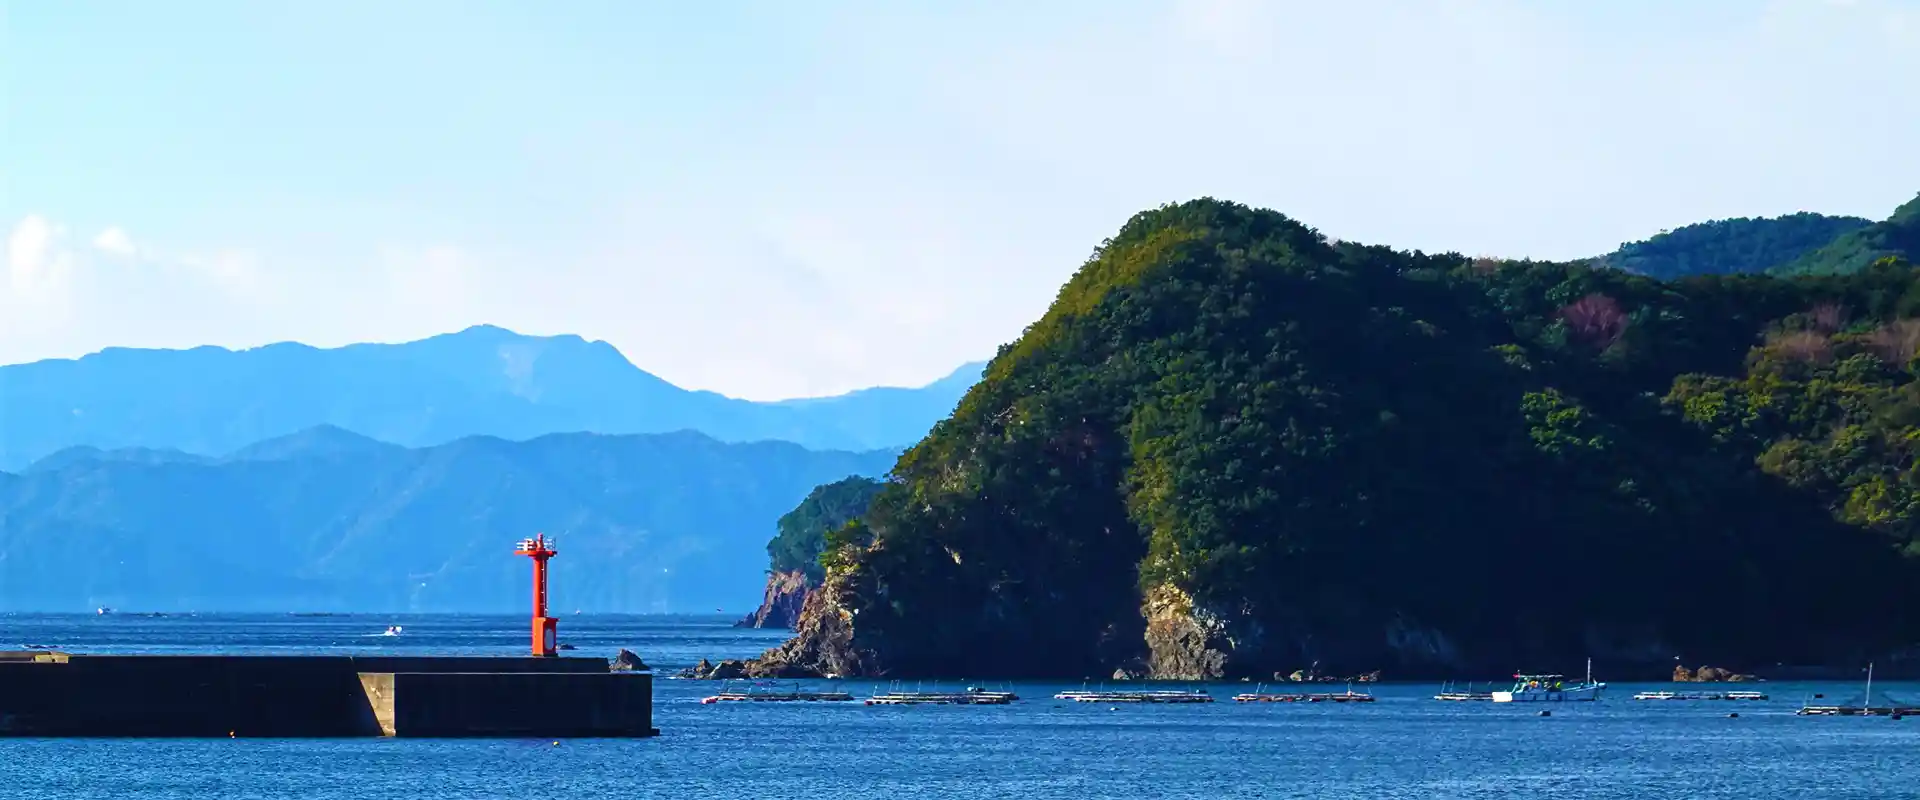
[[1550, 689], [102, 611]]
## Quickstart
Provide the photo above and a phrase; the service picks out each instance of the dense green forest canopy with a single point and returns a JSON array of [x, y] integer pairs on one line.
[[802, 532], [1897, 236], [1730, 246], [1351, 453]]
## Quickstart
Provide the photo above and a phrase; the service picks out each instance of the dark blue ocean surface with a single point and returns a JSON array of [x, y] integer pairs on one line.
[[1405, 746]]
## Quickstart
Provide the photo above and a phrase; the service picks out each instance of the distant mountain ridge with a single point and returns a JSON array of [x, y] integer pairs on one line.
[[484, 380], [325, 519], [318, 441], [1897, 236], [1803, 243], [1741, 245]]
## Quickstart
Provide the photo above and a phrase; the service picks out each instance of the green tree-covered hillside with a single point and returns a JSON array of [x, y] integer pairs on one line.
[[1233, 448], [1730, 246], [1897, 236]]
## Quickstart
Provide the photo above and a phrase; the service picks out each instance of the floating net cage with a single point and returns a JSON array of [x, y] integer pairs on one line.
[[1880, 700]]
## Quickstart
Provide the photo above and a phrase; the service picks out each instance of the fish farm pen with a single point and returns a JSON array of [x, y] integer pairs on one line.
[[1175, 696], [1700, 696], [971, 697], [1450, 693], [1348, 696], [1893, 707], [762, 695]]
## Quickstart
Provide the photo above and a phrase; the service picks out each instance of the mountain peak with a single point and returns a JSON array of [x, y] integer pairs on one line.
[[484, 332], [481, 380], [324, 441]]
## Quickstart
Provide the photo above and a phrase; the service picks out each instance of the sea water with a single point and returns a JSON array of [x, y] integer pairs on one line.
[[1406, 745]]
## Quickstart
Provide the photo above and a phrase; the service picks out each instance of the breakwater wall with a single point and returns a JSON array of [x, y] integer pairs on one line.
[[57, 694]]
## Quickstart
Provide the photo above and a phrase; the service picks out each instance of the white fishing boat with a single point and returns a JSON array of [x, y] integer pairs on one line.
[[1551, 689]]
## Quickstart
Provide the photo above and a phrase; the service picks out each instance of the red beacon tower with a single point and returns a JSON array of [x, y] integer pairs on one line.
[[540, 548]]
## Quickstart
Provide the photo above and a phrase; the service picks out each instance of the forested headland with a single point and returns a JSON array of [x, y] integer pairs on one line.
[[1234, 447]]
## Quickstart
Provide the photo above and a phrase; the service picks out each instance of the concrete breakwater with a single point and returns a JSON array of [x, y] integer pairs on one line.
[[56, 694]]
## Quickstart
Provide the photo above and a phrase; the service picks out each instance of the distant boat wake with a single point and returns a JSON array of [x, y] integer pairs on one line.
[[392, 630]]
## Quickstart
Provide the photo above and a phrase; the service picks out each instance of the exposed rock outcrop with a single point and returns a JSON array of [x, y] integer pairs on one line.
[[823, 646], [626, 661], [780, 607], [1710, 675], [726, 670], [1189, 643]]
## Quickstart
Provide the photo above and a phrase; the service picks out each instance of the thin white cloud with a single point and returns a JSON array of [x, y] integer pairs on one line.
[[114, 241], [62, 298], [36, 295], [37, 261]]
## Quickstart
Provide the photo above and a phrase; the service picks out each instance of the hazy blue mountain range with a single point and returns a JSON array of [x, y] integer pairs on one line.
[[481, 381], [326, 519]]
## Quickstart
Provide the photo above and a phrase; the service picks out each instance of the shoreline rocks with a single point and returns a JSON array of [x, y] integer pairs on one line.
[[626, 661], [1185, 640], [726, 670], [1710, 675]]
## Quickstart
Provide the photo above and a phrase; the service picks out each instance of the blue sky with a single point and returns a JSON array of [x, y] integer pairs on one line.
[[775, 199]]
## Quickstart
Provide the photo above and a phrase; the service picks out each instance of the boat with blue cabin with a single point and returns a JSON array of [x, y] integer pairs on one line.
[[1551, 689]]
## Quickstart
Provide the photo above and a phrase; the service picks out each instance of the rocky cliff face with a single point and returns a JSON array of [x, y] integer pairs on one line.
[[824, 645], [1188, 643], [785, 596], [1196, 641], [1186, 640]]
